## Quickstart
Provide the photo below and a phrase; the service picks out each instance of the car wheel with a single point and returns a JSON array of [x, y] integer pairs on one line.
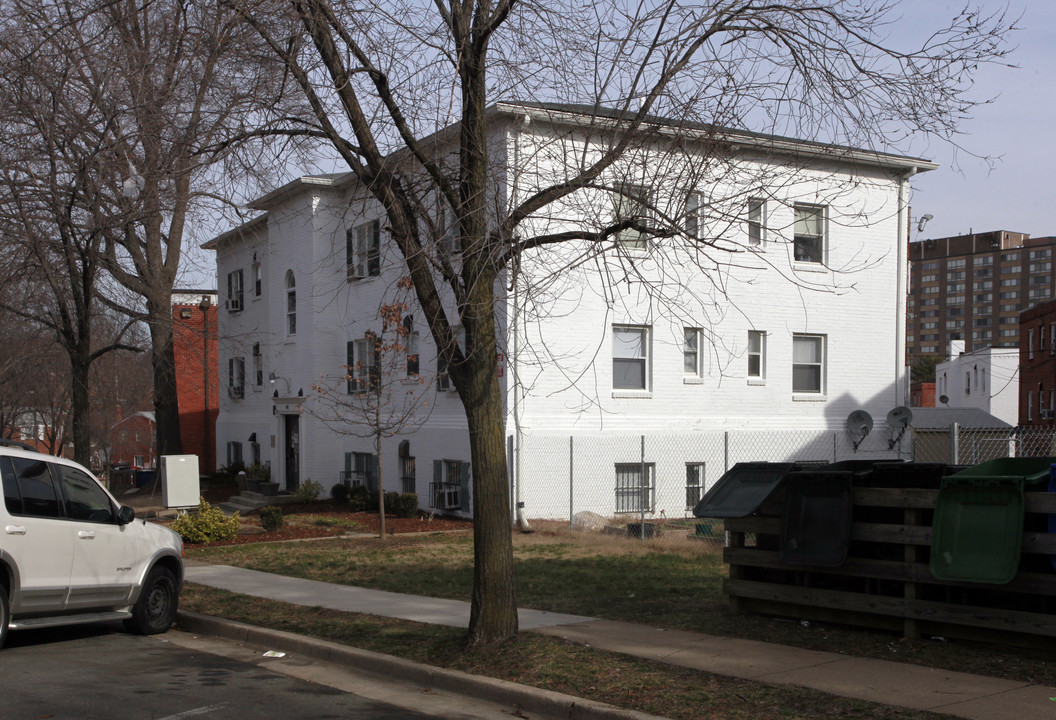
[[155, 610], [5, 614]]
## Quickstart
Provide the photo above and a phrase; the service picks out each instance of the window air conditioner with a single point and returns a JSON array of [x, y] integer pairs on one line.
[[235, 391], [234, 304]]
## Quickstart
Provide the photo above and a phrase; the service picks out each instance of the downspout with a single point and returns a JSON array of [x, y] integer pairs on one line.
[[901, 376], [513, 362]]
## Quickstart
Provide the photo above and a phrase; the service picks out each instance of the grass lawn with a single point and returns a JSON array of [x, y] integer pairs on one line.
[[663, 584]]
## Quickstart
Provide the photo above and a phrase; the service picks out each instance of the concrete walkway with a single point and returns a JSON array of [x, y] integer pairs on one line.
[[881, 681]]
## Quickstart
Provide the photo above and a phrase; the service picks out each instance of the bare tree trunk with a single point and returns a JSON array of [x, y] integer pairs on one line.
[[166, 406]]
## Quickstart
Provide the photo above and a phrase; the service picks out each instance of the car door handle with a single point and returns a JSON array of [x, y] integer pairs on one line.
[[86, 535], [15, 529]]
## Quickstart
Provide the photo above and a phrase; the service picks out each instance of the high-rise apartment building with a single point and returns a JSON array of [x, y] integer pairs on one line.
[[972, 288]]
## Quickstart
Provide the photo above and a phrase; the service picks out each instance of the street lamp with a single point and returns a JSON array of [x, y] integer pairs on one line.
[[204, 306]]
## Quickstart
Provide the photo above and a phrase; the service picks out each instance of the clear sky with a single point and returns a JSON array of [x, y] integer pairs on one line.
[[1017, 193]]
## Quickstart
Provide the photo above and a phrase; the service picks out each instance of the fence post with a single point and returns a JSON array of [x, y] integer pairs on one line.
[[642, 488], [571, 466], [955, 444]]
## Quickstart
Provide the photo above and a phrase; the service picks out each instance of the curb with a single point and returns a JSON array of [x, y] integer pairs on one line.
[[387, 667]]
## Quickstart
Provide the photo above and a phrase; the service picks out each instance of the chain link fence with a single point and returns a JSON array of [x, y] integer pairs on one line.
[[644, 488]]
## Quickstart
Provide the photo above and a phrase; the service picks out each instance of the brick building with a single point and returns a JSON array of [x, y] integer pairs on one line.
[[194, 317], [972, 288], [922, 394], [1037, 365]]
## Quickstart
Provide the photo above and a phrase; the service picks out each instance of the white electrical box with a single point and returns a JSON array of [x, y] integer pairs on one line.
[[180, 486]]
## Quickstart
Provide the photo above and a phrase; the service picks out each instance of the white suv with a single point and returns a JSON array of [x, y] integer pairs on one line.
[[70, 554]]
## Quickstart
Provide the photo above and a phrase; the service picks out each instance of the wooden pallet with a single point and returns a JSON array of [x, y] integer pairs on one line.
[[886, 581]]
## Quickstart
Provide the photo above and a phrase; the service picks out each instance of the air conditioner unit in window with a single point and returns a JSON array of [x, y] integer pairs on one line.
[[234, 304], [236, 391], [1046, 415]]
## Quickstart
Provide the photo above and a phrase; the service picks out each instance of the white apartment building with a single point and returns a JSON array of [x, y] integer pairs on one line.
[[781, 306], [987, 379]]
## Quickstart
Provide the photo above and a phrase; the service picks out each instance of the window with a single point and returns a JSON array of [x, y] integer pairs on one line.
[[364, 368], [1010, 282], [756, 222], [1008, 257], [955, 312], [410, 343], [955, 287], [1011, 295], [361, 470], [633, 493], [930, 289], [632, 203], [693, 213], [756, 354], [981, 273], [258, 280], [694, 484], [958, 275], [983, 260], [291, 303], [85, 500], [934, 265], [254, 451], [363, 250], [630, 357], [955, 300], [955, 264], [28, 488], [929, 278], [258, 366], [967, 383], [444, 380], [1040, 254], [808, 363], [1030, 405], [450, 487], [809, 233], [983, 285], [691, 355], [234, 291], [407, 468], [1030, 345], [236, 377]]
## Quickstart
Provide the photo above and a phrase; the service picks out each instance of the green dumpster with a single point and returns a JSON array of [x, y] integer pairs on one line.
[[978, 528]]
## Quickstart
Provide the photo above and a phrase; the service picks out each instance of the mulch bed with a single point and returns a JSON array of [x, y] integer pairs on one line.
[[367, 522]]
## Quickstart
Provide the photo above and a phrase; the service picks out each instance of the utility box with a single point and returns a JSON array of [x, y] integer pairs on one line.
[[179, 481]]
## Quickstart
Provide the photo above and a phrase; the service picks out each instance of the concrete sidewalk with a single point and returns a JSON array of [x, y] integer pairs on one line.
[[881, 681]]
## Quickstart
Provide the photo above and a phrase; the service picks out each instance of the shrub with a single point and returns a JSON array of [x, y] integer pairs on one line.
[[208, 524], [358, 499], [402, 505], [271, 518], [339, 493], [308, 491]]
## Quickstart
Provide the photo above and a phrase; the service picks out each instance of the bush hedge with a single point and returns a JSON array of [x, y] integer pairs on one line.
[[271, 518], [207, 524]]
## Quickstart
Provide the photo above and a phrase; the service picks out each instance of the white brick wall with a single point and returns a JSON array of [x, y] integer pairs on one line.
[[561, 349]]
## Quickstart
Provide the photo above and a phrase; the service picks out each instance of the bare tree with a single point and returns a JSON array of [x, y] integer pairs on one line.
[[152, 101], [52, 233], [402, 94], [383, 393]]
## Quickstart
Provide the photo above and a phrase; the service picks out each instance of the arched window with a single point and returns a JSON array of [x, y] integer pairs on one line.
[[291, 303]]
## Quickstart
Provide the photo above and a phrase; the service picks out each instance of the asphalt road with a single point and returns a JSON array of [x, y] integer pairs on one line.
[[89, 673]]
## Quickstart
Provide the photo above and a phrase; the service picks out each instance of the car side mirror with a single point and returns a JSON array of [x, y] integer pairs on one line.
[[125, 515]]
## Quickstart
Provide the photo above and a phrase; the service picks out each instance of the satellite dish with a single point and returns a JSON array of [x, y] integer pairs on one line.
[[899, 418], [859, 424]]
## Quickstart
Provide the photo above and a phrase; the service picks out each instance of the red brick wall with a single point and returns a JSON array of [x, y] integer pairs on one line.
[[1037, 365], [194, 342], [922, 394]]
